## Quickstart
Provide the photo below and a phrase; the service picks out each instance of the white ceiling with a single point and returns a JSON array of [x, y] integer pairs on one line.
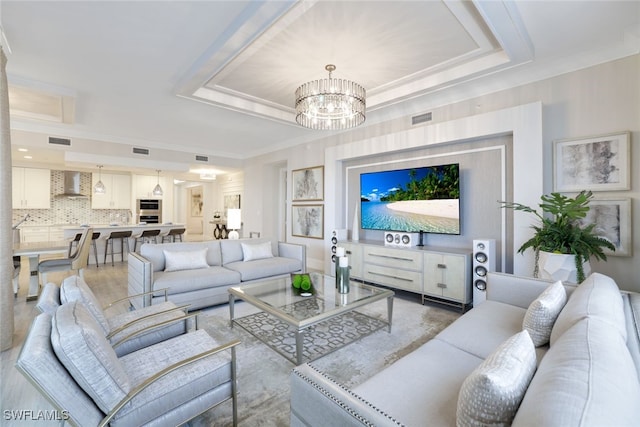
[[217, 78]]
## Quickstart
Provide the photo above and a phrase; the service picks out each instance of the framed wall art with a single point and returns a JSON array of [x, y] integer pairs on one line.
[[307, 221], [308, 184], [600, 163], [612, 217], [231, 201], [196, 201]]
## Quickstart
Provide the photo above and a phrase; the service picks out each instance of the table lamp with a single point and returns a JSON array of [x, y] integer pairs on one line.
[[234, 222]]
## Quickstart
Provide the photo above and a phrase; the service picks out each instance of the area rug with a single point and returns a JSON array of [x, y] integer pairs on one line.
[[263, 374], [319, 339]]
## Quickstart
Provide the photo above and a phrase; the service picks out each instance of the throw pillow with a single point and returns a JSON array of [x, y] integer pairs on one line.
[[543, 312], [256, 251], [185, 260], [492, 393]]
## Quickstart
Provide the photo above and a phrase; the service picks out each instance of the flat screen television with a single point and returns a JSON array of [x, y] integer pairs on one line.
[[411, 200]]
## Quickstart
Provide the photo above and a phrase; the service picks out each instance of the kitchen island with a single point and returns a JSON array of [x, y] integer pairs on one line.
[[105, 230]]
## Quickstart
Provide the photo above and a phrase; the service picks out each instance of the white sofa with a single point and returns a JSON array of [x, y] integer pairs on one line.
[[589, 374], [200, 273]]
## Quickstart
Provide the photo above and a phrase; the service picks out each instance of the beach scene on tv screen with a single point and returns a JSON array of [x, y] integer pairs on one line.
[[418, 199]]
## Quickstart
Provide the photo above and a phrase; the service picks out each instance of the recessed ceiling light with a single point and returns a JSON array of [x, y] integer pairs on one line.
[[24, 150], [28, 157]]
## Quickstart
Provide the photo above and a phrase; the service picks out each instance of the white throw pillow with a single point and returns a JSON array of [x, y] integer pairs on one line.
[[492, 393], [185, 260], [256, 251], [543, 312]]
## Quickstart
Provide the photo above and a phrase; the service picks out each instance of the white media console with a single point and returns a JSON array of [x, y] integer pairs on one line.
[[441, 275]]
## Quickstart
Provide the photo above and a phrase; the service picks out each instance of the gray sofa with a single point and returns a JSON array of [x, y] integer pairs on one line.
[[589, 374], [200, 273]]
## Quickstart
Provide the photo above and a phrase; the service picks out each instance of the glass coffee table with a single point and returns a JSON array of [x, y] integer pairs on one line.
[[279, 299]]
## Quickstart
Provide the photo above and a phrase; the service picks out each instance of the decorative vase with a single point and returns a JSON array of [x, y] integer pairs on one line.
[[342, 275], [355, 228], [560, 267]]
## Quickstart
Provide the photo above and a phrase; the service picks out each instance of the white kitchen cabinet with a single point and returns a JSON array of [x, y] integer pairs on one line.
[[118, 195], [31, 188], [144, 185], [56, 234], [32, 234]]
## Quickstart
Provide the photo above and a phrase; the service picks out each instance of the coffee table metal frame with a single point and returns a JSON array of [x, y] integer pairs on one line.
[[341, 303]]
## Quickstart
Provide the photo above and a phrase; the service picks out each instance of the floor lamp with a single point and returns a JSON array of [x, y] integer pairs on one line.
[[234, 222]]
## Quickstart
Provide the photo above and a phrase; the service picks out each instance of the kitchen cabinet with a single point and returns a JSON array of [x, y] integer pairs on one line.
[[144, 185], [118, 195], [41, 233], [31, 188], [34, 234]]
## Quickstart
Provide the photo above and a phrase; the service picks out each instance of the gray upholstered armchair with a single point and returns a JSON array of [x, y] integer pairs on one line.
[[122, 329], [68, 359]]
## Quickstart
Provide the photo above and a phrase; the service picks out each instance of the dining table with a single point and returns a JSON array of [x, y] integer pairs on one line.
[[33, 250]]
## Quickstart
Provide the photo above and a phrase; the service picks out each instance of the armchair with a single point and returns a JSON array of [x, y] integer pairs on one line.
[[68, 359], [118, 327]]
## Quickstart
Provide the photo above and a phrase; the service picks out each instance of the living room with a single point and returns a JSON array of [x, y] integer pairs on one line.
[[502, 133]]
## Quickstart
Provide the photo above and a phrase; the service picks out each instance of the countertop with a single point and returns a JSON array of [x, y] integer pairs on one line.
[[71, 230]]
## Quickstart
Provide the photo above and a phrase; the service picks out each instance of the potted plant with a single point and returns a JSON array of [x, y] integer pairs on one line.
[[561, 232]]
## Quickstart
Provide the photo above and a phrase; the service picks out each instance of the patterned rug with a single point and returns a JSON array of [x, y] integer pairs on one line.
[[263, 374], [319, 339]]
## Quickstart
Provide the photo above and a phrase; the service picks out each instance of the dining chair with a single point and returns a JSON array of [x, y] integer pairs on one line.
[[78, 261]]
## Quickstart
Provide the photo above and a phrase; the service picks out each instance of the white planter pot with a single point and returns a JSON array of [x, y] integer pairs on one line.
[[560, 267]]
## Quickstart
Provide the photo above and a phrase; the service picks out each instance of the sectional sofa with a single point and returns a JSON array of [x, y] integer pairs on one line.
[[200, 273], [534, 354]]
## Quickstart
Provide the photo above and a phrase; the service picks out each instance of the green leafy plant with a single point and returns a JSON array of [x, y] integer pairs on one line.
[[560, 230]]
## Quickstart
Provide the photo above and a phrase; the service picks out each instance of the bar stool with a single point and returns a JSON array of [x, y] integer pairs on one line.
[[123, 236], [173, 235], [145, 237], [75, 241]]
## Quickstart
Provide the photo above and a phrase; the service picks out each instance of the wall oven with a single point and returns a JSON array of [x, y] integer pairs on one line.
[[149, 211]]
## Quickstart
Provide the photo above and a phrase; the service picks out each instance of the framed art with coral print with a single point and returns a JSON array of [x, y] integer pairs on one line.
[[599, 163]]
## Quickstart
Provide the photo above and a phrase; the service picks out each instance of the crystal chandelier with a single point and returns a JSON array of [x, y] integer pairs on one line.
[[330, 104]]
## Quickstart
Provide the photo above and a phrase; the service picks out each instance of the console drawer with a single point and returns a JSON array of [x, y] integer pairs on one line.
[[394, 277], [398, 258]]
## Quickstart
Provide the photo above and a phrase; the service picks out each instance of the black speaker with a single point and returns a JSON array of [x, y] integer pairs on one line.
[[484, 261], [337, 236]]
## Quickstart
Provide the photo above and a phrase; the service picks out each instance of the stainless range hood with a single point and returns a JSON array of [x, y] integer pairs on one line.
[[72, 186]]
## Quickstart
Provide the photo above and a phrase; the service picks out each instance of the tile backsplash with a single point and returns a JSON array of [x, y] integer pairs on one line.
[[69, 211]]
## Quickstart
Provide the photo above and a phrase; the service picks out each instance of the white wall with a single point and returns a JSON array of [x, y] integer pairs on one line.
[[598, 100]]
